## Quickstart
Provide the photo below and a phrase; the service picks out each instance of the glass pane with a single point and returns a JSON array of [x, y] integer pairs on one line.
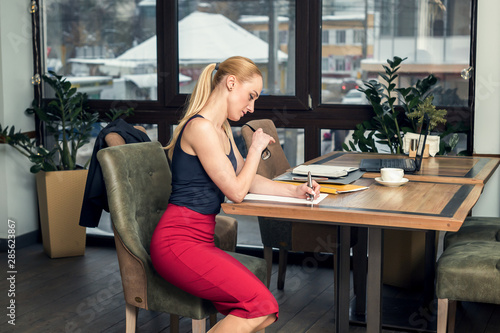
[[263, 31], [106, 48], [358, 36], [85, 152], [332, 140]]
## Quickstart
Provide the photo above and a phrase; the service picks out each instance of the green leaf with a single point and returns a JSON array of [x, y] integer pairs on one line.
[[66, 86], [71, 92], [48, 167], [35, 168], [398, 61], [385, 77], [403, 91]]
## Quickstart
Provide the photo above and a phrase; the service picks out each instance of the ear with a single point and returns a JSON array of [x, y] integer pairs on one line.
[[230, 81]]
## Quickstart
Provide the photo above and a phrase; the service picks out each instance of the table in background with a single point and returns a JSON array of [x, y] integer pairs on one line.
[[437, 198]]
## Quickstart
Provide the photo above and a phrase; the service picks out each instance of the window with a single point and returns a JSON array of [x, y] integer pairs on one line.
[[339, 64], [358, 36], [213, 32], [433, 35], [325, 37], [314, 49], [340, 36], [107, 48], [405, 17]]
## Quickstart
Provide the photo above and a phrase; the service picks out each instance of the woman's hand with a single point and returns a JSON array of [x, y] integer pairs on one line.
[[261, 140], [303, 189]]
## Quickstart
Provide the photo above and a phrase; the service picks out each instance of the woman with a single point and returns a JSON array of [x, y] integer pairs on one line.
[[206, 166]]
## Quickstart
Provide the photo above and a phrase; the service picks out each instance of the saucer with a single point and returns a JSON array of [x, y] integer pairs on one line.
[[391, 184]]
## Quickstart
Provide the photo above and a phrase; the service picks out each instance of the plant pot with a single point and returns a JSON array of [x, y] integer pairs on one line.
[[60, 197], [432, 142]]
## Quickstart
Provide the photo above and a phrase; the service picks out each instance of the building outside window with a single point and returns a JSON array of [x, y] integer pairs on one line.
[[434, 36]]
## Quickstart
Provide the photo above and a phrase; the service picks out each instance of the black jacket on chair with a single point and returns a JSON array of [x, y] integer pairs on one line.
[[94, 198]]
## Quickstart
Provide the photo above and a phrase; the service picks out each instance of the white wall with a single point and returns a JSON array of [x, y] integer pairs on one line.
[[17, 184], [487, 116]]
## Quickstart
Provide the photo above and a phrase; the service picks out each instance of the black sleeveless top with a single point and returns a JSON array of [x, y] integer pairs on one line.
[[191, 185]]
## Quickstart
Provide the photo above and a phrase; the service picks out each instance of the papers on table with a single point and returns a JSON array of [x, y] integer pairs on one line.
[[277, 198], [319, 170]]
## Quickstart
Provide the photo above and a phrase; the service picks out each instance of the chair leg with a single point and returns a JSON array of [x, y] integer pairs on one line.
[[199, 325], [452, 311], [130, 318], [213, 319], [283, 258], [442, 315], [174, 323], [268, 257]]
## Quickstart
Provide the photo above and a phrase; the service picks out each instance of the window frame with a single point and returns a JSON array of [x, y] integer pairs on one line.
[[302, 110]]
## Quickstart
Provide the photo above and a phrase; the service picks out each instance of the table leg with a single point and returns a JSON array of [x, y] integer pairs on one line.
[[359, 270], [342, 280], [374, 285], [430, 265]]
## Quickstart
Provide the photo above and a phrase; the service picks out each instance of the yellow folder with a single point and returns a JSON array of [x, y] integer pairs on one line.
[[333, 188]]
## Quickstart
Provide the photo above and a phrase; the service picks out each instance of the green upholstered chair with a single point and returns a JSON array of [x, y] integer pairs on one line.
[[466, 271], [475, 228], [291, 235], [138, 185]]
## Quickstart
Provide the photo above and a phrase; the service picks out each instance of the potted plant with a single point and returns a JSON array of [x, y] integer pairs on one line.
[[60, 181], [435, 116], [389, 124]]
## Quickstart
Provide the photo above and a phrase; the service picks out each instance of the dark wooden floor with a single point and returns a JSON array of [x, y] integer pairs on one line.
[[84, 294]]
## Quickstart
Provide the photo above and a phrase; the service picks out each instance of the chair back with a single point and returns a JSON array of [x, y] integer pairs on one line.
[[277, 163], [138, 184]]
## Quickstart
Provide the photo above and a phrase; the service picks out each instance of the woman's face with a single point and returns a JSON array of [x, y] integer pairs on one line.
[[242, 97]]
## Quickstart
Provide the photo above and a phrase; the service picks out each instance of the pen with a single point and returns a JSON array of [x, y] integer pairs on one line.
[[310, 185], [315, 178]]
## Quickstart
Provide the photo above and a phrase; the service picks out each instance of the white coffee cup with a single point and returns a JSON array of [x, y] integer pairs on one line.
[[392, 174]]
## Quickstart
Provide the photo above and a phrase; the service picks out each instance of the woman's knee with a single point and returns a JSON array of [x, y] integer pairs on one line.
[[271, 316], [266, 321]]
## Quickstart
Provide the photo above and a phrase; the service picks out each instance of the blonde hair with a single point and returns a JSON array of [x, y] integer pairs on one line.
[[242, 68]]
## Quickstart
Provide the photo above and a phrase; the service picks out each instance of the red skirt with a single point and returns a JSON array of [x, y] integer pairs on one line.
[[183, 253]]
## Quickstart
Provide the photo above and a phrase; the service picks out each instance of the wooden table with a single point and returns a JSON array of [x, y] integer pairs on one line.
[[439, 169], [437, 198]]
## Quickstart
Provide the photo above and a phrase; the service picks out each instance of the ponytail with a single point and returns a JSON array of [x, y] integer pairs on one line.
[[244, 69]]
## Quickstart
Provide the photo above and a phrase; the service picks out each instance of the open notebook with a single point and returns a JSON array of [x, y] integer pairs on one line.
[[278, 198]]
